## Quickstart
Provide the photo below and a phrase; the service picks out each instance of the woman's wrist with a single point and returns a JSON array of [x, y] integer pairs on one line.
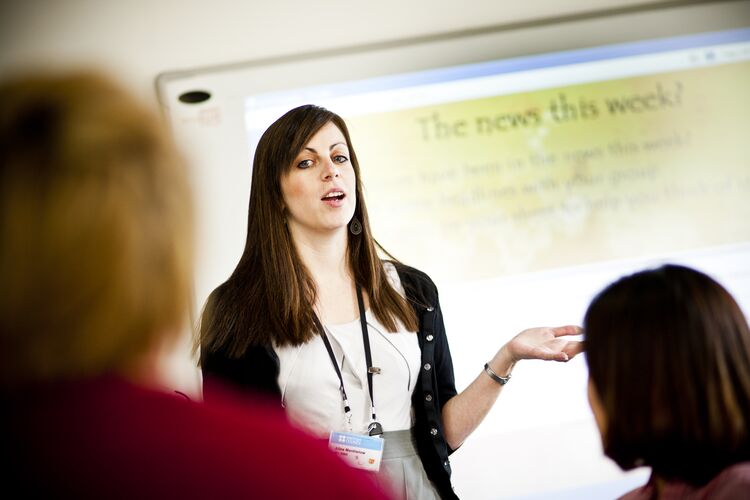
[[503, 362]]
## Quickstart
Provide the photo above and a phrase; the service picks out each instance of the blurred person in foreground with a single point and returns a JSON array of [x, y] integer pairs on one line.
[[669, 383], [96, 259]]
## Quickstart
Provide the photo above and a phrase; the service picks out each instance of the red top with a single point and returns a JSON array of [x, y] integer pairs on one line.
[[107, 438], [730, 484]]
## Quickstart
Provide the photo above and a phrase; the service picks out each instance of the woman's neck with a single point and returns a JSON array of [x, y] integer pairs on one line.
[[323, 254], [325, 258]]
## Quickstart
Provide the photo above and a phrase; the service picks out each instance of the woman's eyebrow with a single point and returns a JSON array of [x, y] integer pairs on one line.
[[308, 148]]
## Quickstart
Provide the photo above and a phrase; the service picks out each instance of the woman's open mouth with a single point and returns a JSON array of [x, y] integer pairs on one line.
[[334, 198]]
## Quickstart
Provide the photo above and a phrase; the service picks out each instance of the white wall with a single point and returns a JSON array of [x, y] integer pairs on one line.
[[138, 39]]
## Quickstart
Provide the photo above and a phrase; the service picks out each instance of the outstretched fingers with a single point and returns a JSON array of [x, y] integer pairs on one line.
[[574, 348], [561, 331], [547, 354]]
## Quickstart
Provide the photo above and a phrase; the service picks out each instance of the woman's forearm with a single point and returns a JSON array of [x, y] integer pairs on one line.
[[463, 413]]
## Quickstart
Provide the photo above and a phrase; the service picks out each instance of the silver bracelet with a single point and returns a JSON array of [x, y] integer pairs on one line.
[[494, 376]]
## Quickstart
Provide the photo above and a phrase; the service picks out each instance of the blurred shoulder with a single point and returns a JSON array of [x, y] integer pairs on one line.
[[732, 482], [264, 448]]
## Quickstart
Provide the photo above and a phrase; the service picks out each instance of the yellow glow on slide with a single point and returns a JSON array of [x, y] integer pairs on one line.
[[564, 176]]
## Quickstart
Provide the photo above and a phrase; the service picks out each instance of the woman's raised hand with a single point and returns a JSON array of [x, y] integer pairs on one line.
[[545, 343]]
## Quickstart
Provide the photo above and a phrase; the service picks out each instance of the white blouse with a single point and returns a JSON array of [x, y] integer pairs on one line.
[[310, 387]]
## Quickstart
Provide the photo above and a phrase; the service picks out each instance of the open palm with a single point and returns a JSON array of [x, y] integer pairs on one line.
[[547, 343]]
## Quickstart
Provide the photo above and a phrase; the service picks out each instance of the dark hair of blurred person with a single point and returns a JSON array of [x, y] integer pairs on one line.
[[669, 382], [96, 259]]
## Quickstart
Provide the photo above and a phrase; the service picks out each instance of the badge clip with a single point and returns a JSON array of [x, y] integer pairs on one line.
[[375, 429]]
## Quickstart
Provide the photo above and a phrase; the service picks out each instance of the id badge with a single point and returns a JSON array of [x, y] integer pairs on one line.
[[359, 450]]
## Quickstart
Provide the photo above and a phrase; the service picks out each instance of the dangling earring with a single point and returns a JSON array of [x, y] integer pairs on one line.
[[355, 227]]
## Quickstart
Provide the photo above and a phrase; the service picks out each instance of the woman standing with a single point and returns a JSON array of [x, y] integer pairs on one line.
[[346, 341]]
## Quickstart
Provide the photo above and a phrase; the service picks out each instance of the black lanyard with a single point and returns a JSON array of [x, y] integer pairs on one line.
[[374, 428]]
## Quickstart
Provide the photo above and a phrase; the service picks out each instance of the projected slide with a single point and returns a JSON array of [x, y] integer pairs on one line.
[[563, 176], [546, 162]]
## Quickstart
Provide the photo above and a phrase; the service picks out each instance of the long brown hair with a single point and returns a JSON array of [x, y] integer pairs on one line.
[[669, 357], [270, 295]]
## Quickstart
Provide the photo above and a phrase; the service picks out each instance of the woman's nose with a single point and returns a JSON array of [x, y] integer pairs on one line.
[[330, 170]]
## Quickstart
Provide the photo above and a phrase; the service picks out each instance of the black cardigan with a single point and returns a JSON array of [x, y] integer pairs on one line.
[[258, 370]]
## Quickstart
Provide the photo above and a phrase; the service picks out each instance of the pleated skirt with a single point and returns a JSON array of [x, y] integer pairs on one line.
[[401, 471]]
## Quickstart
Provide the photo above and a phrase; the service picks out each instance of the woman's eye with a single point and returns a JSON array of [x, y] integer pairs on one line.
[[304, 164], [340, 159]]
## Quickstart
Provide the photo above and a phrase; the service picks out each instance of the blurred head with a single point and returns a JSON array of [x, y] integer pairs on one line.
[[669, 373], [95, 229]]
